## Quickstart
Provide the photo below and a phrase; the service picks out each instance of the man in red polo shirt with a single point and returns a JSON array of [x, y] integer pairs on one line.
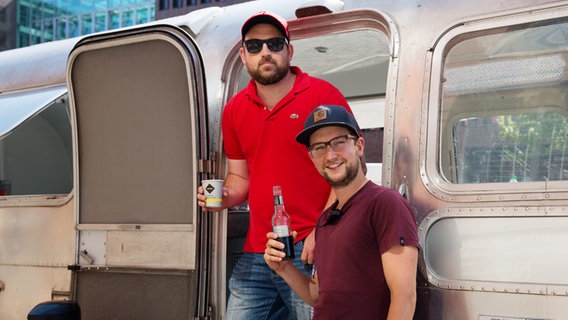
[[259, 128]]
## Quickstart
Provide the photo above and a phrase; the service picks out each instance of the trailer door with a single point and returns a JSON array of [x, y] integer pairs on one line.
[[137, 100]]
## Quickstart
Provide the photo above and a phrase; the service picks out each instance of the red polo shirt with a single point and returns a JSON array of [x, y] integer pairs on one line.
[[267, 140]]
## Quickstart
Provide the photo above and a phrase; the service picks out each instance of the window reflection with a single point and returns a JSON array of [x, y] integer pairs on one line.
[[504, 106], [512, 148], [499, 249]]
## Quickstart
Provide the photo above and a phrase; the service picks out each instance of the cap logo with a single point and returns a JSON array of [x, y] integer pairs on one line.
[[319, 115]]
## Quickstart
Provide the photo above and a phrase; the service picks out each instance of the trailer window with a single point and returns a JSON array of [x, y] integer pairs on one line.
[[504, 106], [35, 143]]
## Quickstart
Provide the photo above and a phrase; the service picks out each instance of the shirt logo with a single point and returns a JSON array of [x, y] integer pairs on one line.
[[294, 116]]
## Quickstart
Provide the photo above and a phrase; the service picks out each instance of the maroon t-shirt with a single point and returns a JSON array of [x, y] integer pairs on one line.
[[348, 253]]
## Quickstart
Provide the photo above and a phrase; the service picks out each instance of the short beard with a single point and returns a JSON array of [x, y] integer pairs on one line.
[[280, 73], [350, 175]]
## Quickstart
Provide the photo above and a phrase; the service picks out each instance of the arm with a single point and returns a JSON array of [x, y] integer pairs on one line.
[[309, 246], [305, 287], [236, 186], [400, 264]]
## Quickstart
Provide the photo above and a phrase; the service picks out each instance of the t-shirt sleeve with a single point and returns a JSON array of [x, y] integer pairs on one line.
[[394, 222]]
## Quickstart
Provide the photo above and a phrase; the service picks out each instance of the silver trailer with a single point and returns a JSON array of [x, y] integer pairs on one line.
[[464, 105]]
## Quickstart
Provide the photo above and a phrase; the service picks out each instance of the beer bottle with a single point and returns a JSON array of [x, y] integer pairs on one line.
[[281, 224]]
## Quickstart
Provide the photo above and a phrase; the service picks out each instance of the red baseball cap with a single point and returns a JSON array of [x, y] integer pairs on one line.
[[266, 17]]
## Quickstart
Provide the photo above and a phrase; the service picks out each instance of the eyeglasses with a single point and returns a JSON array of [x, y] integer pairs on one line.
[[273, 44], [337, 144]]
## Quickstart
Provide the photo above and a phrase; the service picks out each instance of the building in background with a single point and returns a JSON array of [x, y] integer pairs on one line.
[[172, 8], [27, 22], [7, 24], [47, 20]]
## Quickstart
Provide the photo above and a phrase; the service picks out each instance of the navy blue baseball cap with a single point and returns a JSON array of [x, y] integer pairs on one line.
[[325, 116]]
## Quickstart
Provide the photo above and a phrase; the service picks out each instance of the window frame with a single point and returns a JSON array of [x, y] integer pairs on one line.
[[430, 165], [26, 105]]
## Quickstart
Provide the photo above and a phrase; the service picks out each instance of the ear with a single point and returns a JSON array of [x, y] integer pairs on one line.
[[360, 146], [290, 51], [242, 54]]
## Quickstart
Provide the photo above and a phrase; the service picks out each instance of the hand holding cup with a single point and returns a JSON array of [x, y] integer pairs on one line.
[[213, 191]]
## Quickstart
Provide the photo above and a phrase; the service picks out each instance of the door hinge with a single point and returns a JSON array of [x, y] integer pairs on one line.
[[209, 166], [74, 267], [210, 314]]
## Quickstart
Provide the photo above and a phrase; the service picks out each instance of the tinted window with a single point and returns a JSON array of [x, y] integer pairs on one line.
[[36, 157]]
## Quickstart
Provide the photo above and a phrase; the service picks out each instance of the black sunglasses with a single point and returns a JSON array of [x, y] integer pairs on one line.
[[273, 44], [331, 218]]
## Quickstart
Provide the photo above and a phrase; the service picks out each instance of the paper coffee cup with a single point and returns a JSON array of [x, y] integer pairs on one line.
[[213, 190]]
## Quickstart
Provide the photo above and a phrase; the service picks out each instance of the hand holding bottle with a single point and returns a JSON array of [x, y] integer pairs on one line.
[[274, 254], [282, 224]]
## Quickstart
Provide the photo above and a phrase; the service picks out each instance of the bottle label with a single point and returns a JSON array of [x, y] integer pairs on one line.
[[281, 231]]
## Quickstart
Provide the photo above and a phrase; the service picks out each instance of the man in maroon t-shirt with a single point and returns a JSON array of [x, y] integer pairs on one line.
[[366, 250]]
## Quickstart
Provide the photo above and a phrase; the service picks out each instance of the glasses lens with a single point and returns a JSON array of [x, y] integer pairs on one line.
[[339, 143], [318, 149], [274, 44], [254, 45]]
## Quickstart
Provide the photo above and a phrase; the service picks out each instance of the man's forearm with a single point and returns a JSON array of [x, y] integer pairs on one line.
[[305, 287]]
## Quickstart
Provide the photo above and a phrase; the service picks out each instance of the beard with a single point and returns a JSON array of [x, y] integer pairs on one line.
[[273, 78], [350, 175]]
